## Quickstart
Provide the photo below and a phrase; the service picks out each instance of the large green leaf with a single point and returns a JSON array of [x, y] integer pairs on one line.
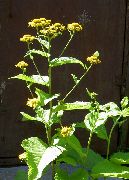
[[35, 149], [65, 60], [74, 143], [108, 169], [43, 80], [45, 97], [125, 112], [34, 51], [61, 174], [92, 159], [50, 154], [120, 158], [79, 174], [72, 106]]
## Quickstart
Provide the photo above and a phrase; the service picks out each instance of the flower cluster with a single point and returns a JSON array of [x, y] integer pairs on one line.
[[94, 59], [74, 27], [53, 31], [41, 22], [22, 64], [27, 38], [66, 131], [32, 102]]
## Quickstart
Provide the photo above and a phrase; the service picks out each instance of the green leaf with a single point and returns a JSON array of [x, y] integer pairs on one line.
[[43, 80], [50, 154], [111, 109], [68, 160], [74, 143], [124, 102], [101, 132], [61, 174], [72, 106], [34, 51], [92, 159], [43, 42], [79, 174], [27, 117], [35, 148], [120, 158], [125, 112], [65, 60], [44, 97], [108, 169], [21, 174]]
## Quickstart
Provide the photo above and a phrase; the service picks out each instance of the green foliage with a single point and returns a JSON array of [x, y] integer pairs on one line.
[[34, 51], [48, 108], [65, 60], [108, 169], [34, 79], [120, 158]]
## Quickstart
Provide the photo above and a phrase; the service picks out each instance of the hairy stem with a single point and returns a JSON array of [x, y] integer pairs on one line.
[[77, 83], [89, 142], [71, 37], [110, 135]]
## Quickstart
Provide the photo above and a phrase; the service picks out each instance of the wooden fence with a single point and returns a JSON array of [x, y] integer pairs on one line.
[[106, 29]]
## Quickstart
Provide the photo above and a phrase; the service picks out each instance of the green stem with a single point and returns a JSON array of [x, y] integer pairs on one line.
[[89, 142], [71, 37], [50, 107], [110, 135], [77, 83]]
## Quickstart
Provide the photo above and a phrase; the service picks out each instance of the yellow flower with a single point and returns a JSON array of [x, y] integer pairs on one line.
[[22, 156], [66, 131], [41, 22], [21, 64], [27, 38], [53, 31], [32, 102], [74, 27], [94, 59]]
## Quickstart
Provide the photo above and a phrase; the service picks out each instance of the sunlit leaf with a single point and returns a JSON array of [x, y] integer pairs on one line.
[[65, 60]]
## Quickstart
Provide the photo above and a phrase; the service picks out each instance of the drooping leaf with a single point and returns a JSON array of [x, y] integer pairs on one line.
[[43, 80], [79, 174], [72, 106], [124, 102], [108, 169], [45, 97], [120, 158], [65, 60], [50, 154], [34, 51], [101, 132], [35, 149]]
